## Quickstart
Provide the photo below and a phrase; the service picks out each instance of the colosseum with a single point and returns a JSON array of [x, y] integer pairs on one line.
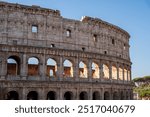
[[44, 56]]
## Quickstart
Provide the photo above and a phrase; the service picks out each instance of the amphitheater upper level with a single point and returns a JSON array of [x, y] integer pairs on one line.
[[41, 27]]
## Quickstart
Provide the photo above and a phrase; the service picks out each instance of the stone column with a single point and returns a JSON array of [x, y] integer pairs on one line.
[[76, 69], [123, 74], [90, 70], [4, 69], [110, 71], [60, 94], [118, 73], [90, 97], [101, 70], [102, 93], [24, 67], [60, 68], [42, 67], [130, 75]]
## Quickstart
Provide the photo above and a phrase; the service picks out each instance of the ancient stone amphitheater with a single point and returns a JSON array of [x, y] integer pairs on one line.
[[45, 56]]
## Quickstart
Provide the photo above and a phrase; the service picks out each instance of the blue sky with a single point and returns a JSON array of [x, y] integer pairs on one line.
[[131, 15]]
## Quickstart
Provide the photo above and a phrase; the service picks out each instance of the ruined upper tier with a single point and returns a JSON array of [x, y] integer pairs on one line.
[[41, 27]]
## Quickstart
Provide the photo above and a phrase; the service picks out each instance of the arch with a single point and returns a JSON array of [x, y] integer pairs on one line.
[[106, 95], [125, 74], [83, 95], [68, 68], [95, 70], [32, 95], [12, 95], [115, 95], [105, 70], [96, 95], [33, 66], [114, 72], [51, 67], [68, 33], [68, 95], [13, 65], [120, 73], [82, 70], [51, 95]]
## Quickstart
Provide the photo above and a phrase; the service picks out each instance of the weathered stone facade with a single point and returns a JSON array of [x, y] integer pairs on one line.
[[45, 56]]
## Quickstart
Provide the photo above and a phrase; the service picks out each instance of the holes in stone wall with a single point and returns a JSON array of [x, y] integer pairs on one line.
[[33, 66], [105, 69], [68, 33], [114, 72], [120, 73], [12, 95], [51, 67], [68, 68], [95, 38], [34, 29], [83, 96], [96, 95], [68, 95], [82, 70], [95, 70], [32, 95], [51, 95], [13, 65]]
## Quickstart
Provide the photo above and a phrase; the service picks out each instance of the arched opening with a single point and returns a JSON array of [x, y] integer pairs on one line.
[[12, 95], [13, 65], [115, 96], [106, 95], [33, 66], [96, 95], [122, 95], [51, 67], [68, 95], [120, 73], [125, 74], [68, 33], [32, 95], [83, 96], [95, 70], [51, 95], [82, 70], [105, 69], [68, 68], [114, 72]]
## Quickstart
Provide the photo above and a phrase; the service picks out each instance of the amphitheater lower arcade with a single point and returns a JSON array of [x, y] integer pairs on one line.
[[39, 73]]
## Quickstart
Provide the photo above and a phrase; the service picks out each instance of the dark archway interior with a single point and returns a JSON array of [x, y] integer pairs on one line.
[[12, 95], [96, 96], [51, 95], [106, 96], [68, 96], [83, 96], [32, 95]]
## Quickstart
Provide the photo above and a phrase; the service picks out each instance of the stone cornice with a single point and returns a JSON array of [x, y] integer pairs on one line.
[[61, 52], [94, 21], [29, 9]]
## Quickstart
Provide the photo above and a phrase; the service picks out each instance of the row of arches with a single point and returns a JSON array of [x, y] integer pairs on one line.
[[68, 95], [14, 64]]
